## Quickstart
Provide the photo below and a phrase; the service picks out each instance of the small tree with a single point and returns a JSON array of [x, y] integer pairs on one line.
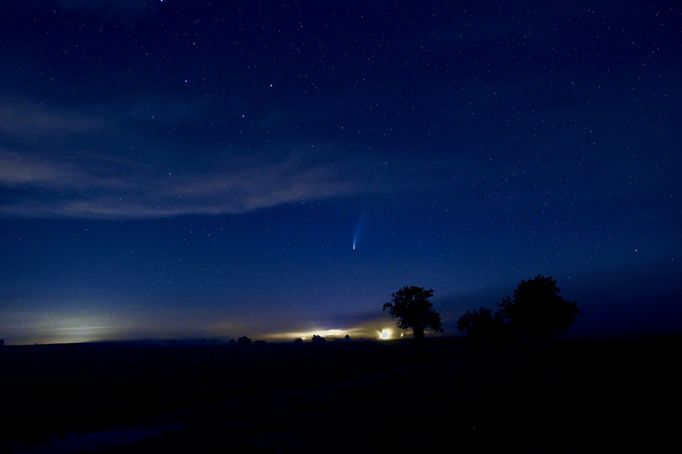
[[316, 339], [410, 308], [537, 309], [244, 341], [481, 323]]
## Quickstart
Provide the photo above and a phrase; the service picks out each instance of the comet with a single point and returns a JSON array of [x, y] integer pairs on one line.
[[356, 233]]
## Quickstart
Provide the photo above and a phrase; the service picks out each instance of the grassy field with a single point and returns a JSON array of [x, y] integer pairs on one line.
[[572, 396]]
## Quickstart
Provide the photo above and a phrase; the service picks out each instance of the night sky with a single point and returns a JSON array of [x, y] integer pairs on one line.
[[176, 169]]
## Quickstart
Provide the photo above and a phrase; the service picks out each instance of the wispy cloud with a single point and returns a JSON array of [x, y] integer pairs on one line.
[[24, 118], [21, 169], [85, 164], [87, 190]]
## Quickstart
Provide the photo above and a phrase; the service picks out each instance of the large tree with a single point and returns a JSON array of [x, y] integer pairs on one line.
[[410, 308], [537, 309]]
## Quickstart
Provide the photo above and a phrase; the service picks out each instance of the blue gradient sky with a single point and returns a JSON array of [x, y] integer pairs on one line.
[[170, 169]]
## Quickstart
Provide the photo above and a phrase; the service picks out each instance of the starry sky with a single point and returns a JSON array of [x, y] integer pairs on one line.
[[174, 169]]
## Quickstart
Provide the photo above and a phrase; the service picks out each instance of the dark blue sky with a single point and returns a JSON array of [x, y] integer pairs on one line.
[[180, 169]]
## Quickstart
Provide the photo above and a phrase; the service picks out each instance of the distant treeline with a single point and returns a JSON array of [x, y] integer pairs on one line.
[[535, 311]]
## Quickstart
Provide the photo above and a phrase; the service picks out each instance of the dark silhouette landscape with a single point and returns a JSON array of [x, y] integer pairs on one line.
[[508, 385], [450, 394]]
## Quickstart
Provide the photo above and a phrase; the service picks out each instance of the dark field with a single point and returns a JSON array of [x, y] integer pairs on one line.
[[575, 396]]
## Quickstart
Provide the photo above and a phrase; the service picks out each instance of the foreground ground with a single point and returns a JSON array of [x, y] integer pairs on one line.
[[575, 396]]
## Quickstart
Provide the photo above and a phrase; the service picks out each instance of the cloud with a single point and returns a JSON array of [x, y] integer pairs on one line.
[[79, 164], [16, 169], [90, 188], [20, 169], [24, 118]]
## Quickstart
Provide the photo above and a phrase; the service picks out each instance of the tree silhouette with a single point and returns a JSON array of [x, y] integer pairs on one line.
[[536, 308], [410, 308], [243, 341], [481, 323], [316, 339]]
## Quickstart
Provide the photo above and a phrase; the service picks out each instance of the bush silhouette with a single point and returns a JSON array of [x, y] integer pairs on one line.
[[243, 341], [481, 323], [410, 308], [536, 309], [318, 339]]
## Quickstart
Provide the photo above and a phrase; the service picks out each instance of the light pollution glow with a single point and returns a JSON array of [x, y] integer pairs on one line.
[[64, 330], [335, 333], [385, 334], [307, 335], [60, 328]]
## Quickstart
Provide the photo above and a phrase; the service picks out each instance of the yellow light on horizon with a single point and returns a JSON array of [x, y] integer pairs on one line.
[[385, 334], [307, 335]]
